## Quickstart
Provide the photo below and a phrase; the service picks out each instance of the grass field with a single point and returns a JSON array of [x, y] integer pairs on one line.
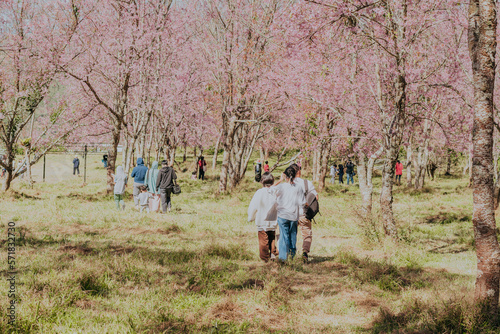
[[85, 267]]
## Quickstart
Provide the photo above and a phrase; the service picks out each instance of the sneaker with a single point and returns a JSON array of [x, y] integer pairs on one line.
[[305, 257]]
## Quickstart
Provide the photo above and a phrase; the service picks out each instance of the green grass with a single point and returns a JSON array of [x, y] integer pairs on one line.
[[85, 267]]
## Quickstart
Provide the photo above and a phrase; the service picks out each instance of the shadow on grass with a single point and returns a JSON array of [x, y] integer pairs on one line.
[[446, 218], [437, 316], [389, 277], [320, 259], [97, 197]]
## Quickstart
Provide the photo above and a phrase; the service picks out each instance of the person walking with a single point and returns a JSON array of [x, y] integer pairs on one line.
[[341, 174], [144, 198], [349, 169], [399, 172], [150, 182], [139, 174], [289, 197], [105, 160], [119, 189], [165, 182], [333, 173], [202, 167], [260, 206], [76, 165], [304, 223]]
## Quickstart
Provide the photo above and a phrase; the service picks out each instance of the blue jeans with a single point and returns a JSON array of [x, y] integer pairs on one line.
[[288, 238], [349, 177]]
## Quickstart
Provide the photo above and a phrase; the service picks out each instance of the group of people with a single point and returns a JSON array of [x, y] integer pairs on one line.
[[282, 204], [338, 171], [152, 187]]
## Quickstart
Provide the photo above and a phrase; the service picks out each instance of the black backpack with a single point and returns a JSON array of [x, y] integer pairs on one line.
[[312, 209]]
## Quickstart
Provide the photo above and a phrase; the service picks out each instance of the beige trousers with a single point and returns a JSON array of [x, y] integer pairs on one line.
[[306, 230]]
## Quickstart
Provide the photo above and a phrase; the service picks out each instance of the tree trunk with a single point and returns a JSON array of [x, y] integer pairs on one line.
[[112, 155], [482, 49], [323, 163], [365, 175], [448, 162], [171, 158], [216, 152], [9, 168], [386, 196], [228, 143], [315, 166], [409, 157], [129, 158], [27, 158], [184, 155], [392, 140], [471, 155]]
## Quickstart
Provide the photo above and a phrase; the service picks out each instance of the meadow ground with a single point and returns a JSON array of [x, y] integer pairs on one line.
[[85, 267]]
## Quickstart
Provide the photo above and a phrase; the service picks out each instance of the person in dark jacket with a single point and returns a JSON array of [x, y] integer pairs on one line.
[[76, 165], [341, 174], [139, 174], [165, 182], [349, 169]]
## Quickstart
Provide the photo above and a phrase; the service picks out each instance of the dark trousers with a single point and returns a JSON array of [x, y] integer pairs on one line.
[[341, 178], [267, 245], [76, 169], [165, 199], [202, 174]]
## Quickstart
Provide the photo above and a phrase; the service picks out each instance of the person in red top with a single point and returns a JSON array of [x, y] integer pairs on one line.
[[266, 167], [399, 172], [202, 167]]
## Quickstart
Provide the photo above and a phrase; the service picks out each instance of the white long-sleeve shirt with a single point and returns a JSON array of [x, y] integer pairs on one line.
[[290, 198], [262, 201]]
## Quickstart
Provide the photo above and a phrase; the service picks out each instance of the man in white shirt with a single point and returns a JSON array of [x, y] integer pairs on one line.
[[304, 223]]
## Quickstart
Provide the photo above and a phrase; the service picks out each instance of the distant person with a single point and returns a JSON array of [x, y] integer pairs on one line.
[[399, 172], [258, 170], [304, 223], [341, 174], [144, 197], [202, 168], [266, 167], [333, 173], [105, 160], [139, 174], [119, 189], [289, 197], [76, 165], [260, 206], [165, 183], [349, 170], [193, 176]]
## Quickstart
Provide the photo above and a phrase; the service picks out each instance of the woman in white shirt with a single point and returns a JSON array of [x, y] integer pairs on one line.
[[289, 197]]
